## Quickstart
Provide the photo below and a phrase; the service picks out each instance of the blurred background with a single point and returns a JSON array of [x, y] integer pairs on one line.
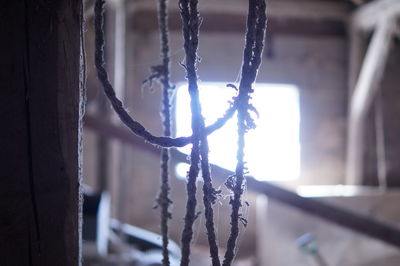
[[324, 156]]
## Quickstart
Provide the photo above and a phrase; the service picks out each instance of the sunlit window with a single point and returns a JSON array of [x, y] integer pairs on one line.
[[272, 149]]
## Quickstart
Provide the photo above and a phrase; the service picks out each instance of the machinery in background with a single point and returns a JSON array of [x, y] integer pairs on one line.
[[106, 241]]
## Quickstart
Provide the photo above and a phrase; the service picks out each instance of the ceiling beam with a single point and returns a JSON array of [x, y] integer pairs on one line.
[[367, 17], [299, 17], [145, 21], [298, 9]]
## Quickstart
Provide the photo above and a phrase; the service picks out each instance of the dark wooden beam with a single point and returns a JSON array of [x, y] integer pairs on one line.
[[40, 81], [363, 224], [110, 130], [348, 219], [146, 21]]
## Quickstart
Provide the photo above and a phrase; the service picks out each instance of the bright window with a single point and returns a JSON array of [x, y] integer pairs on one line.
[[272, 149]]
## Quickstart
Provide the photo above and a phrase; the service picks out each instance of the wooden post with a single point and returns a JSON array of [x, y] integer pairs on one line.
[[41, 81]]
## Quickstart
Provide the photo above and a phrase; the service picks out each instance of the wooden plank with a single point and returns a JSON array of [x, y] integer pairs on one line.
[[365, 90], [114, 131], [39, 141], [289, 9], [296, 17], [146, 21], [360, 223], [357, 222]]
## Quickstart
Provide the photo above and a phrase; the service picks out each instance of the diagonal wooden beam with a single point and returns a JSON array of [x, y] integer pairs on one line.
[[357, 222], [367, 17], [365, 90]]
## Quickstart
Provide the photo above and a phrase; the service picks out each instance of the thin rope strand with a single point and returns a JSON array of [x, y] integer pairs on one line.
[[209, 193], [190, 216], [137, 128], [191, 24], [251, 62], [252, 55], [163, 199]]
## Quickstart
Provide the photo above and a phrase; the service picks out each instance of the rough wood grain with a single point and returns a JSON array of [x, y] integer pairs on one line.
[[41, 84]]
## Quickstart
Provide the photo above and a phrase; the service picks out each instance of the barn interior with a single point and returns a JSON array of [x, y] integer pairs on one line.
[[322, 187]]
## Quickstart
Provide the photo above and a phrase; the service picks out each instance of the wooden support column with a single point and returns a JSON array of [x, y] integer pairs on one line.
[[41, 81], [365, 90]]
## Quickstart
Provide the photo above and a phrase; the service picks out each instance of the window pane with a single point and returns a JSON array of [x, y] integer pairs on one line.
[[272, 149]]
